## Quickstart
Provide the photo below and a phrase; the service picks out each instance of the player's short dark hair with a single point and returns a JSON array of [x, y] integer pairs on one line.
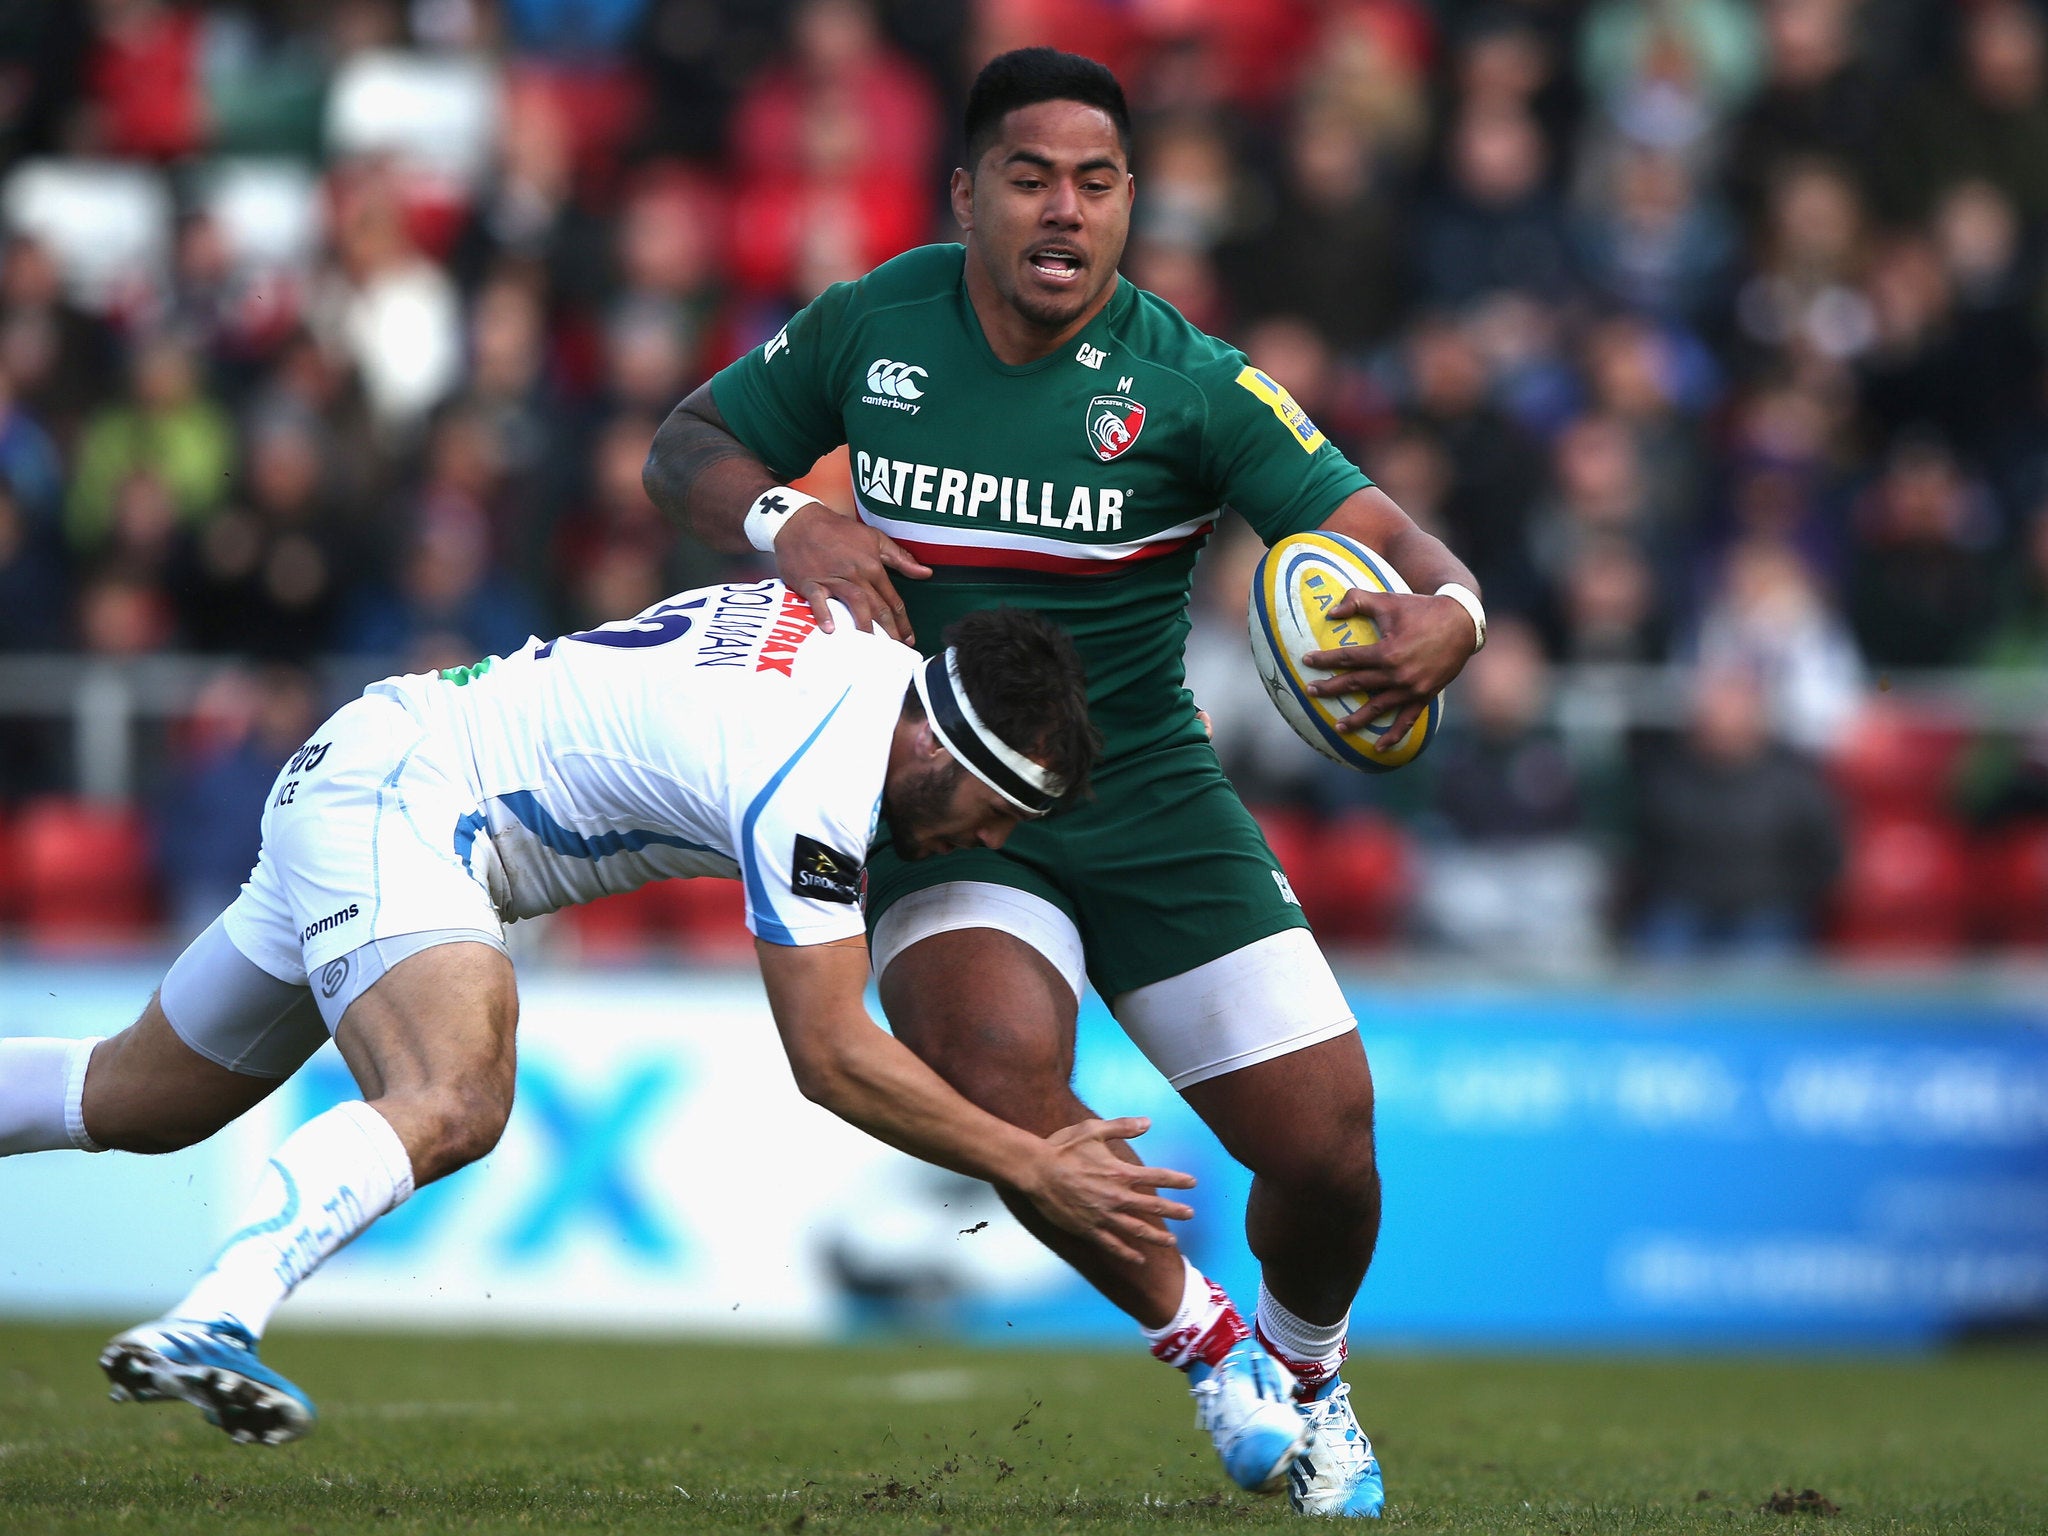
[[1024, 77], [1026, 681]]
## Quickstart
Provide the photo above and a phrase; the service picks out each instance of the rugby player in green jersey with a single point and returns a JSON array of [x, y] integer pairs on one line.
[[1026, 427]]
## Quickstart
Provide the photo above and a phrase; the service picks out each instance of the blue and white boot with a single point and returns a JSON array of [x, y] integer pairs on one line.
[[1246, 1403], [1337, 1474], [213, 1366]]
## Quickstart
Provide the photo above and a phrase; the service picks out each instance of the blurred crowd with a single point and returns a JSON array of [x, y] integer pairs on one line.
[[1709, 332]]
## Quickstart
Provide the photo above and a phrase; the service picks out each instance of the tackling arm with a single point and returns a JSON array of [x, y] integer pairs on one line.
[[844, 1061], [1424, 641], [706, 479]]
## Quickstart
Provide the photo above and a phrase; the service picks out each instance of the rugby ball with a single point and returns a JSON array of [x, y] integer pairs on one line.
[[1296, 584]]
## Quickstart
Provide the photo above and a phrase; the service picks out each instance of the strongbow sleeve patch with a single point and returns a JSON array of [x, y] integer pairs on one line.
[[824, 874]]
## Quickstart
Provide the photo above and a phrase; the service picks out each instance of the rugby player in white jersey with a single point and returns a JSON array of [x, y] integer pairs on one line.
[[722, 732]]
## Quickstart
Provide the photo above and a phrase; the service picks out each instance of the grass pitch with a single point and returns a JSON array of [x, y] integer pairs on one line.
[[429, 1433]]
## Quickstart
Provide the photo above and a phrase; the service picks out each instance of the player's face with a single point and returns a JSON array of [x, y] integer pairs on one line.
[[1047, 211], [939, 806]]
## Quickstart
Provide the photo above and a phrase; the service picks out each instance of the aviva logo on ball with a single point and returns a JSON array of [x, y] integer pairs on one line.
[[1297, 583]]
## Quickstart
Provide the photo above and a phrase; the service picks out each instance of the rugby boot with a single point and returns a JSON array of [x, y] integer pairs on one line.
[[213, 1366], [1246, 1403], [1337, 1474]]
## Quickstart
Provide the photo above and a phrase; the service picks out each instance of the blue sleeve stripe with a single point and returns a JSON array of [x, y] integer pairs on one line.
[[766, 924]]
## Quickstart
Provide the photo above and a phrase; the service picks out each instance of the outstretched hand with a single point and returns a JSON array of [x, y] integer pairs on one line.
[[1424, 642], [1086, 1189], [823, 556]]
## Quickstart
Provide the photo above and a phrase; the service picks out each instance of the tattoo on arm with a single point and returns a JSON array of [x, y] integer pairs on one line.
[[698, 473]]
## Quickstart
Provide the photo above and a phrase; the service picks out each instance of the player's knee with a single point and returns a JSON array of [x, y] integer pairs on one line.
[[455, 1126], [1331, 1160]]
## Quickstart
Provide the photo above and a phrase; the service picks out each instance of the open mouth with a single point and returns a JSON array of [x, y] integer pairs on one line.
[[1056, 264]]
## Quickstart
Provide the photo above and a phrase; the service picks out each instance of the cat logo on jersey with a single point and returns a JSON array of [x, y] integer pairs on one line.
[[1114, 422], [1292, 416]]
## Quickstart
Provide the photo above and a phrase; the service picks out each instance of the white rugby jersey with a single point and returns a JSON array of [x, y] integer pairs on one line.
[[721, 732]]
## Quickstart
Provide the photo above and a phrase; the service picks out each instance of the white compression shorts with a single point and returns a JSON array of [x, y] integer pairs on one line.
[[1274, 996]]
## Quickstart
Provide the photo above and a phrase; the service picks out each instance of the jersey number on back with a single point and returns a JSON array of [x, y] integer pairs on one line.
[[657, 626]]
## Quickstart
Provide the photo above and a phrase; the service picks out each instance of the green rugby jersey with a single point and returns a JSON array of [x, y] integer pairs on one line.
[[1081, 485]]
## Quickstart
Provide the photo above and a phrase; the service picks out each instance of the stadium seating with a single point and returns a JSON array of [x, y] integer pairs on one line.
[[1896, 763], [82, 873], [2010, 885], [1905, 891]]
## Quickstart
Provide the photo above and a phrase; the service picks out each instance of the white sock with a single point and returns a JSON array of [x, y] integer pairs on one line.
[[1203, 1330], [1312, 1351], [42, 1090], [333, 1176]]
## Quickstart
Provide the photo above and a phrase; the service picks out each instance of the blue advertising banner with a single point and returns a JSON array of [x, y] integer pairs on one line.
[[1629, 1166]]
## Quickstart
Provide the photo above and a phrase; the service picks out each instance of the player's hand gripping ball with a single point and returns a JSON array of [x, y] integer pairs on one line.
[[1296, 584]]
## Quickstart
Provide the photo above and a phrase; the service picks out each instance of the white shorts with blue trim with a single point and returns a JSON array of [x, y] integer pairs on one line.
[[362, 841]]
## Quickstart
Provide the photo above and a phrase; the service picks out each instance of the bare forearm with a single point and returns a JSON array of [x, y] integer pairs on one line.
[[1424, 561], [873, 1081], [698, 473]]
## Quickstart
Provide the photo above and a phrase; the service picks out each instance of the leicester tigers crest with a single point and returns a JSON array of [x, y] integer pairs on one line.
[[1114, 422]]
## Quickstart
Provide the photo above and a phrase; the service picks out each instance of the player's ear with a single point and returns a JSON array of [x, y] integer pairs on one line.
[[961, 192]]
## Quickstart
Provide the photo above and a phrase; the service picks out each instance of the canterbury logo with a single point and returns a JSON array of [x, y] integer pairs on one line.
[[896, 380]]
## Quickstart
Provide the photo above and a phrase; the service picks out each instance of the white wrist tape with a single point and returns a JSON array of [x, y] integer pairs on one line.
[[771, 509], [1468, 600]]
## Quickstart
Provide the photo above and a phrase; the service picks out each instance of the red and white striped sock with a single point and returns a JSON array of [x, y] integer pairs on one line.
[[1203, 1330], [1312, 1351]]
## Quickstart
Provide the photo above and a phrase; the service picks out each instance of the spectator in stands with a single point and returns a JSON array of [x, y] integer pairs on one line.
[[59, 356], [32, 580], [1668, 75], [209, 810], [1801, 298], [1498, 223], [1650, 237], [1988, 121], [1600, 495], [1932, 366], [266, 577], [836, 52], [1736, 841], [1605, 608], [449, 603], [1637, 376], [145, 80], [512, 398], [527, 210], [29, 465], [1514, 877], [612, 555], [666, 327], [1821, 98], [1782, 463], [167, 429], [835, 153], [1921, 574], [1496, 467], [390, 309], [1327, 247], [1770, 620]]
